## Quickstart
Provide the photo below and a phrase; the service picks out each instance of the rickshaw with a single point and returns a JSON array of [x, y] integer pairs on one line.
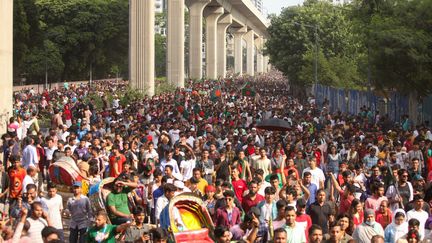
[[195, 217], [65, 172], [98, 194]]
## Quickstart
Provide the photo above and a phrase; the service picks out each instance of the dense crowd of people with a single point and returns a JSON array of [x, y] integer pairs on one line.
[[332, 177]]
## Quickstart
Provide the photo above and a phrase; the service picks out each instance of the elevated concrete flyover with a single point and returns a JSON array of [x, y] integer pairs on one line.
[[242, 19]]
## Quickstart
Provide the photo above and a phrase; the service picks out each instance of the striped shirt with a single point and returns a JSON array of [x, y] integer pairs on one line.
[[36, 227]]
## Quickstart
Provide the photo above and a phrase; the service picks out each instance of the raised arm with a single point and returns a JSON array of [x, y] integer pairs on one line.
[[304, 189], [335, 182]]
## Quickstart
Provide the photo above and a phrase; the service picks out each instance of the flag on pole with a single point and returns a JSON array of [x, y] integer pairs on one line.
[[247, 90]]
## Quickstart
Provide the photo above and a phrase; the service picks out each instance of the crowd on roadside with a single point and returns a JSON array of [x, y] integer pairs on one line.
[[332, 177]]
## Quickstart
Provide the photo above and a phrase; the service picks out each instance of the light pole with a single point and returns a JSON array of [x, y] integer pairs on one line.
[[46, 71], [315, 27]]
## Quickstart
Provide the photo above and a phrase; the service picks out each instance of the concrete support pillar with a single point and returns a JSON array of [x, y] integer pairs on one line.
[[238, 49], [195, 37], [142, 49], [175, 43], [250, 46], [266, 64], [213, 14], [260, 56], [224, 22], [6, 62]]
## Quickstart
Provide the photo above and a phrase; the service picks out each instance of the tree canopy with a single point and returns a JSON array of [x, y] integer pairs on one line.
[[69, 37], [384, 43]]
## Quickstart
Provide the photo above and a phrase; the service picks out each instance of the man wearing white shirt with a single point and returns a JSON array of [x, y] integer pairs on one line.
[[162, 202], [155, 134], [64, 133], [295, 232], [318, 177], [54, 203], [187, 165], [174, 134], [28, 179], [418, 213], [170, 161]]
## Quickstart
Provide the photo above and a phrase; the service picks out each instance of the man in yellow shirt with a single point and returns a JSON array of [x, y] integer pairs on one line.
[[202, 183]]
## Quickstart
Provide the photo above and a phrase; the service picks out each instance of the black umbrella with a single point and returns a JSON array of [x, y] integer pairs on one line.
[[274, 124]]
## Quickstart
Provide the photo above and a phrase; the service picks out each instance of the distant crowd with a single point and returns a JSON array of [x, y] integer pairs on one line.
[[332, 177]]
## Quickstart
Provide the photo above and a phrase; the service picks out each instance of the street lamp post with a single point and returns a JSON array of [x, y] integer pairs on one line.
[[315, 27]]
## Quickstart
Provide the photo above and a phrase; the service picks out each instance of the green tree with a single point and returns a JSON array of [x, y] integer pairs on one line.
[[160, 55], [44, 59], [292, 43], [398, 35], [89, 33]]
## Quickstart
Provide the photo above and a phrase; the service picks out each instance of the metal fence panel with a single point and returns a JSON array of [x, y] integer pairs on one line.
[[352, 101]]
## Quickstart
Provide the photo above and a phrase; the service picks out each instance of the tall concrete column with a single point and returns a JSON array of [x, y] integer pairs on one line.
[[266, 64], [142, 49], [238, 49], [250, 46], [260, 56], [175, 42], [6, 62], [212, 16], [196, 8], [224, 22]]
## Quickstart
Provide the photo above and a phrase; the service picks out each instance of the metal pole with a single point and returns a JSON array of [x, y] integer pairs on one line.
[[316, 55], [91, 73], [46, 64]]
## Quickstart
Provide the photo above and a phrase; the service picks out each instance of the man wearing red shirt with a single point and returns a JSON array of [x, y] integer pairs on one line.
[[346, 196], [238, 184], [116, 161], [252, 198]]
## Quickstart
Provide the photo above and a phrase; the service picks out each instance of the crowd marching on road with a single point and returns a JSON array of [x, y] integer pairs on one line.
[[332, 177]]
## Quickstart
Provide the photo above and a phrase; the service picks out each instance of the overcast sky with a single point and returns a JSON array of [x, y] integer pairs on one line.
[[275, 6]]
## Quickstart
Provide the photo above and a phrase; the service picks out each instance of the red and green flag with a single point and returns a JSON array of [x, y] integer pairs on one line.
[[216, 93], [247, 90]]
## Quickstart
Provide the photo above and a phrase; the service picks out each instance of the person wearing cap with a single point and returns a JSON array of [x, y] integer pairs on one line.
[[418, 213], [81, 214], [369, 228], [180, 187]]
